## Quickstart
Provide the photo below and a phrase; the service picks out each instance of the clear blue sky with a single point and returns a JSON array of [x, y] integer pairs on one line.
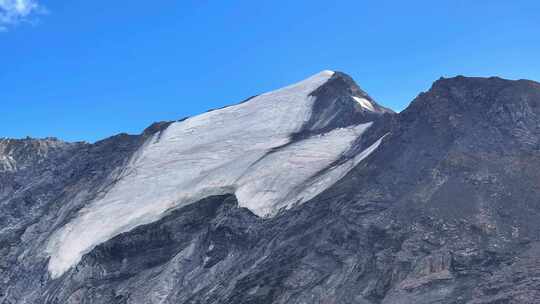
[[85, 70]]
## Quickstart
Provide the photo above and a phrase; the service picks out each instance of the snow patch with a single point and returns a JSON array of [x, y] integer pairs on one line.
[[328, 73], [366, 104], [330, 177], [277, 181]]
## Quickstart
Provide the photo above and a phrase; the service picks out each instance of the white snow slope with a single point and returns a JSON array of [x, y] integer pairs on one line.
[[222, 151], [366, 104]]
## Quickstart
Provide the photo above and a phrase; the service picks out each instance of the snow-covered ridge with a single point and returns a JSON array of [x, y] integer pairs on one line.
[[222, 151]]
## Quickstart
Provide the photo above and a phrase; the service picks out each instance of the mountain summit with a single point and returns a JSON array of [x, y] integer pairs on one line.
[[313, 193], [249, 150]]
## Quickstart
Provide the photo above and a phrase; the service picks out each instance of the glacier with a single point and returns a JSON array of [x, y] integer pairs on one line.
[[245, 149]]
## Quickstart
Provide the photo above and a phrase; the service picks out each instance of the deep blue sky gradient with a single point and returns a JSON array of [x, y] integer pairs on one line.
[[90, 69]]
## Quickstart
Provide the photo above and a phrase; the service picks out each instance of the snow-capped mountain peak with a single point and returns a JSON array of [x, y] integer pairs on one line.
[[248, 149], [445, 206]]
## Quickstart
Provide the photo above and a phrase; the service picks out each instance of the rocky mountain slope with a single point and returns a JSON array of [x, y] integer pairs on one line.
[[313, 193]]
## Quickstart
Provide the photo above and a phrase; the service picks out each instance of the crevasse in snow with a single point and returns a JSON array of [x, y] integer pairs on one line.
[[222, 151]]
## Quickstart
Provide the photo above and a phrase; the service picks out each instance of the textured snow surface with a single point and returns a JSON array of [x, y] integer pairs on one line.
[[231, 150]]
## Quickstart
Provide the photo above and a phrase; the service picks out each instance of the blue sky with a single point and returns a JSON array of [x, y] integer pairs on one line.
[[85, 70]]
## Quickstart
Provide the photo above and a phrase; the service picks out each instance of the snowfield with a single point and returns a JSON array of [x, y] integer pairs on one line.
[[230, 150]]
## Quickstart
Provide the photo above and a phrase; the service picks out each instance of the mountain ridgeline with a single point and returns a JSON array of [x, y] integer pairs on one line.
[[313, 193]]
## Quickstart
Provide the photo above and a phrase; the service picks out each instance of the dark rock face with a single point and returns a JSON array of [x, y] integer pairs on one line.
[[335, 108], [34, 201], [445, 211]]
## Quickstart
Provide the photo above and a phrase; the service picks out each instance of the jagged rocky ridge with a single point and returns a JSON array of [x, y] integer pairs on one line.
[[443, 210]]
